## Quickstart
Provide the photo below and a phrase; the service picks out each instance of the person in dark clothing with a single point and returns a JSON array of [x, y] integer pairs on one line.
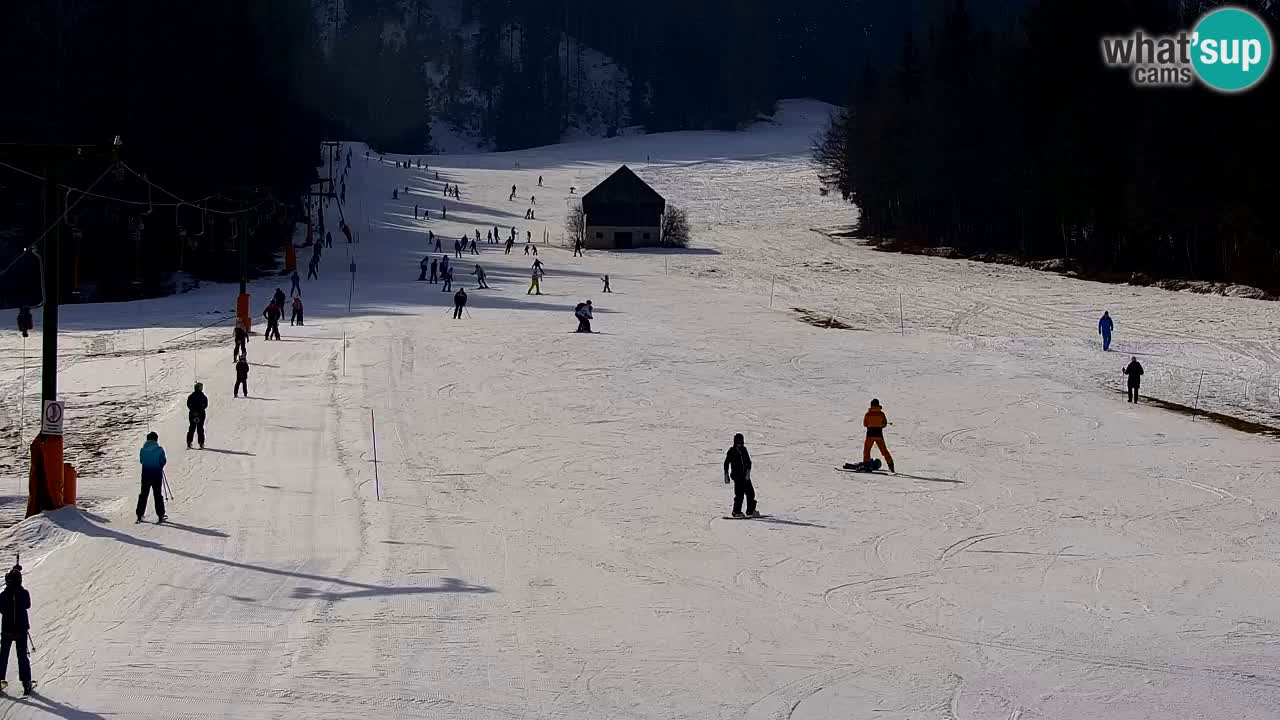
[[447, 278], [278, 298], [510, 244], [1105, 326], [297, 311], [444, 211], [577, 248], [153, 461], [242, 377], [479, 273], [395, 193], [606, 284], [583, 313], [1134, 371], [197, 404], [15, 626], [295, 289], [433, 271], [24, 320], [422, 267], [272, 314], [459, 302], [737, 466], [242, 341], [459, 246], [539, 181], [328, 239], [415, 212], [312, 268], [474, 249], [437, 244]]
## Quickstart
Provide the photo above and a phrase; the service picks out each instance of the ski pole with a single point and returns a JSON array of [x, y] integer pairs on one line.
[[31, 641]]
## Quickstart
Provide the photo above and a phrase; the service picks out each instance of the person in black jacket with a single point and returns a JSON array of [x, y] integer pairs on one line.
[[24, 320], [242, 377], [14, 603], [197, 404], [737, 465], [1134, 371], [242, 341], [459, 302]]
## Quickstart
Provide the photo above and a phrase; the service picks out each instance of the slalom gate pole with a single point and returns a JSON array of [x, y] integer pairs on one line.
[[377, 484], [1196, 409]]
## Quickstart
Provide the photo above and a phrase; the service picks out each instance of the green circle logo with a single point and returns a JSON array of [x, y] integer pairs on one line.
[[1231, 49]]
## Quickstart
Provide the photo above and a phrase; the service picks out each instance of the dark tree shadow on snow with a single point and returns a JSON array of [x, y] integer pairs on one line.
[[75, 521]]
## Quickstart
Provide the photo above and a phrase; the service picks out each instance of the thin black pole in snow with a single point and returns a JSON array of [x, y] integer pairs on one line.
[[772, 288], [902, 322], [377, 485], [146, 393], [344, 353]]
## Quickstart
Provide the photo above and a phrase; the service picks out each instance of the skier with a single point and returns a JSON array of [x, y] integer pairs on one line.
[[479, 273], [273, 314], [153, 461], [1134, 371], [488, 237], [474, 249], [875, 421], [459, 302], [278, 297], [297, 311], [444, 265], [513, 193], [395, 193], [526, 247], [606, 284], [737, 466], [447, 277], [539, 181], [583, 313], [433, 270], [242, 377], [457, 248], [577, 248], [422, 268], [24, 320], [295, 288], [312, 267], [197, 404], [415, 211], [510, 244], [242, 340], [14, 628], [533, 199], [534, 285], [1105, 326], [444, 211], [446, 189], [572, 190], [477, 237]]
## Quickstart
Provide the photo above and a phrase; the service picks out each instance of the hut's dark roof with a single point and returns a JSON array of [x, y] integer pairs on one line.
[[623, 187]]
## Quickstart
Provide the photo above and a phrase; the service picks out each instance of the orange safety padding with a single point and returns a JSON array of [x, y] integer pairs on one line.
[[69, 478], [53, 469], [45, 489], [242, 311]]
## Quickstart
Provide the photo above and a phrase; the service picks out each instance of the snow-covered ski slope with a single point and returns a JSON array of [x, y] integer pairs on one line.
[[549, 541]]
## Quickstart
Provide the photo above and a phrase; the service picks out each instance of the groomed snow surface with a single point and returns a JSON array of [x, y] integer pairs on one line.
[[549, 541]]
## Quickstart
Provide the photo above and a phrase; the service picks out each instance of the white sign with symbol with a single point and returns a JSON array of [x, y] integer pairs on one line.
[[52, 418]]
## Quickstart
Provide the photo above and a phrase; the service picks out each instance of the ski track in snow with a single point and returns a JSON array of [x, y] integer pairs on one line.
[[548, 543]]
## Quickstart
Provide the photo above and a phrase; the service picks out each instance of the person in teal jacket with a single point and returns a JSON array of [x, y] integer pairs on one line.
[[153, 461]]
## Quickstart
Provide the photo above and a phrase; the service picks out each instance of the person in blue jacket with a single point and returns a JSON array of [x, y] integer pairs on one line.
[[153, 461], [1104, 329]]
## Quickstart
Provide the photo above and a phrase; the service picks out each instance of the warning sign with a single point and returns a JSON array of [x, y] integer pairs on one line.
[[51, 420]]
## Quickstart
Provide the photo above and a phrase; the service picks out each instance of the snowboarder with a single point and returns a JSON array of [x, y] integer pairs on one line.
[[242, 340], [583, 313], [197, 404], [737, 466], [273, 314], [1105, 325], [479, 273], [242, 377], [24, 320], [295, 288], [422, 268], [1134, 371], [14, 628], [433, 270], [447, 278], [875, 421], [606, 284], [536, 275], [153, 461], [297, 311], [459, 302]]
